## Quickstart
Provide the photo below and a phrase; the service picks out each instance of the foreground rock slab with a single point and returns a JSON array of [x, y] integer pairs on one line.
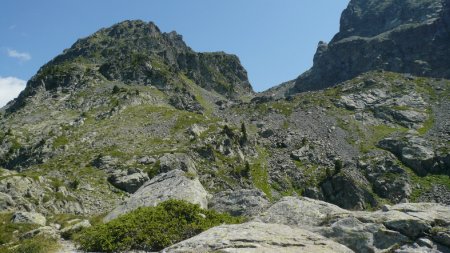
[[171, 185], [257, 237], [408, 225]]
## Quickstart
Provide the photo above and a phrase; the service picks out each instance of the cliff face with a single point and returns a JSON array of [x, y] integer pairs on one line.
[[401, 36]]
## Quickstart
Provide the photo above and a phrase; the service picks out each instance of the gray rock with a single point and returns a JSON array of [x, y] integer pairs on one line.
[[380, 231], [267, 133], [239, 203], [146, 160], [78, 226], [177, 161], [196, 130], [416, 153], [349, 190], [257, 237], [46, 231], [171, 185], [130, 180], [389, 180], [29, 217], [301, 211], [6, 202], [442, 235], [363, 237]]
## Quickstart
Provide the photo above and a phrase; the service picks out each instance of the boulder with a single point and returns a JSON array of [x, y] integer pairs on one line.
[[362, 237], [442, 235], [29, 217], [78, 226], [349, 190], [257, 237], [177, 161], [46, 231], [240, 203], [416, 153], [6, 202], [380, 231], [301, 211], [128, 180], [171, 185]]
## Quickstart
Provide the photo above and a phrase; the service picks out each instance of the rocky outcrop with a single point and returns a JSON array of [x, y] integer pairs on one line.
[[389, 180], [257, 237], [29, 217], [379, 231], [301, 212], [171, 185], [408, 37], [177, 161], [349, 190], [130, 180], [418, 154], [239, 203]]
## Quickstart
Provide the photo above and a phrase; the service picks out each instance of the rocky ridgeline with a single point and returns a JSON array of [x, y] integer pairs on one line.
[[407, 37], [130, 117]]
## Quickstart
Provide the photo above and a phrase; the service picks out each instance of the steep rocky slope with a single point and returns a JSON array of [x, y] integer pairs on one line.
[[131, 116], [401, 36]]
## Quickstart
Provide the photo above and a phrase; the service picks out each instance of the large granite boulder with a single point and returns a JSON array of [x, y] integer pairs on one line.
[[301, 211], [240, 203], [380, 231], [257, 237], [171, 185], [128, 180]]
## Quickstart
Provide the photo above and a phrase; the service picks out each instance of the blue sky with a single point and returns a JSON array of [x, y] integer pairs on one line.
[[275, 39]]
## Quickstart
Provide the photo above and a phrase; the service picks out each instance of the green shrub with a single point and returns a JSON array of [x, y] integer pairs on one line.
[[38, 244], [151, 228]]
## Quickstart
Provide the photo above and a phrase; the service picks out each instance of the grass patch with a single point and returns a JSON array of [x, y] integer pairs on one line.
[[427, 125], [10, 242], [426, 183], [38, 244], [151, 228], [259, 173], [60, 141]]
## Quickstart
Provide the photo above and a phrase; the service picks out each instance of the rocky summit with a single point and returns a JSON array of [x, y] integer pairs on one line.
[[408, 36], [130, 141]]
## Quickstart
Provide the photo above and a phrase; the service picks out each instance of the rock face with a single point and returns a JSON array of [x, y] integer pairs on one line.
[[301, 212], [407, 36], [257, 237], [418, 154], [170, 185], [129, 181], [378, 231], [176, 161], [239, 203]]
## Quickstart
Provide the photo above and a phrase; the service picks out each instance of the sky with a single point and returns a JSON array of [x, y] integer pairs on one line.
[[274, 39]]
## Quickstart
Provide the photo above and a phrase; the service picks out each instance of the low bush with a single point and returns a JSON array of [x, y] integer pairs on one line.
[[151, 228]]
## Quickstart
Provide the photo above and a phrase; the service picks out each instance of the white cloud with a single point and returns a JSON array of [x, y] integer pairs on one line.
[[18, 55], [10, 87]]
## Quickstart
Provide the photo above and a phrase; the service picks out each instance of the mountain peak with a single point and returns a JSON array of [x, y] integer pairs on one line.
[[137, 52], [404, 36]]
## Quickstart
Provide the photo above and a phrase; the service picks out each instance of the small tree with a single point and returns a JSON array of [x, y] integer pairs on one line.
[[227, 130], [244, 137], [116, 89], [337, 166]]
